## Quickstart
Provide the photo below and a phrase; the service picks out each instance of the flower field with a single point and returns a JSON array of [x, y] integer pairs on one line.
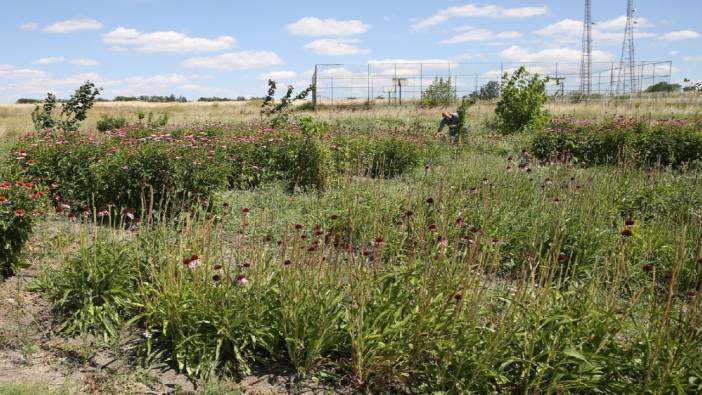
[[368, 255]]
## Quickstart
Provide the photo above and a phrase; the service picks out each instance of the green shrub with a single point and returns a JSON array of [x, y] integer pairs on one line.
[[440, 93], [107, 123], [20, 204], [521, 107]]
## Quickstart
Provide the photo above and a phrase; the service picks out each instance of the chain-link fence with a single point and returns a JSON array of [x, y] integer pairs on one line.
[[394, 82]]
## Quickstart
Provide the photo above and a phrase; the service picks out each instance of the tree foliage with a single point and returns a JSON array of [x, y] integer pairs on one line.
[[521, 107], [71, 113], [440, 93], [663, 87]]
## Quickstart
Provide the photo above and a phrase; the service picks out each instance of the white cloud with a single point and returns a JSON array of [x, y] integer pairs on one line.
[[697, 58], [84, 62], [680, 35], [311, 26], [167, 41], [278, 75], [30, 26], [11, 73], [603, 32], [50, 60], [551, 55], [235, 61], [480, 35], [336, 47], [470, 56], [485, 11], [73, 25]]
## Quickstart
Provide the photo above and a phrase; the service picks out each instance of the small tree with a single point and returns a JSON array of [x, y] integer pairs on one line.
[[72, 113], [490, 91], [278, 113], [521, 107], [440, 93]]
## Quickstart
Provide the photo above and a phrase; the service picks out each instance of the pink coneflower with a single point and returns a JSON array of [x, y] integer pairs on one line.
[[457, 297], [241, 280], [562, 257], [430, 201], [5, 185], [432, 228], [408, 214], [287, 262], [626, 233], [648, 267], [442, 242], [4, 200], [217, 278], [468, 240], [19, 213], [218, 267], [629, 222], [691, 294], [298, 227], [460, 221], [379, 242], [473, 229], [245, 211]]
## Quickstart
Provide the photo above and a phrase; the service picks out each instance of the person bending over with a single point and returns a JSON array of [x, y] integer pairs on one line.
[[453, 122]]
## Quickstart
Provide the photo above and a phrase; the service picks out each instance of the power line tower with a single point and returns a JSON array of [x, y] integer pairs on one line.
[[586, 63], [626, 82]]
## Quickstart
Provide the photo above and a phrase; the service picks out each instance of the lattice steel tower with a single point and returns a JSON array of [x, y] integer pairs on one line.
[[626, 82], [586, 64]]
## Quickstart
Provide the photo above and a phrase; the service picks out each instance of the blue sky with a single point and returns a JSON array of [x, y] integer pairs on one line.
[[228, 48]]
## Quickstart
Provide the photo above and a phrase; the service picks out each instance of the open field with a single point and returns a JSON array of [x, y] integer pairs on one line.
[[15, 119], [357, 252]]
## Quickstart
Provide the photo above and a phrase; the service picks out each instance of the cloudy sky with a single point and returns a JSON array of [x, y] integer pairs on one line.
[[229, 48]]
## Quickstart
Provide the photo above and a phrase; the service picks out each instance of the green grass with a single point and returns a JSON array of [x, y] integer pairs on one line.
[[35, 389]]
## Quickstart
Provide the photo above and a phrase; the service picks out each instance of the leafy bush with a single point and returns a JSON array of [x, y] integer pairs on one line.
[[440, 93], [521, 107], [73, 111], [20, 203], [106, 123]]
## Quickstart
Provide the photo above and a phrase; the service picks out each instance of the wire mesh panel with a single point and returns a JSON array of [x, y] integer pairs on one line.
[[395, 81]]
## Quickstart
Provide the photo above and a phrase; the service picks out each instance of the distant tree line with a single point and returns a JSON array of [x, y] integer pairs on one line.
[[215, 98], [153, 99]]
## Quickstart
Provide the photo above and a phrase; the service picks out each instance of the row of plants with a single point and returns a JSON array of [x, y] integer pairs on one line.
[[21, 203], [134, 168], [667, 143], [473, 276]]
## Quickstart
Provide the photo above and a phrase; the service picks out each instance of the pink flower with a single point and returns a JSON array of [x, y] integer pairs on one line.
[[19, 213], [241, 280]]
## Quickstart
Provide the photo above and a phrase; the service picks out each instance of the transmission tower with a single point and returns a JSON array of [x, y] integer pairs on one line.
[[627, 65], [586, 64]]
